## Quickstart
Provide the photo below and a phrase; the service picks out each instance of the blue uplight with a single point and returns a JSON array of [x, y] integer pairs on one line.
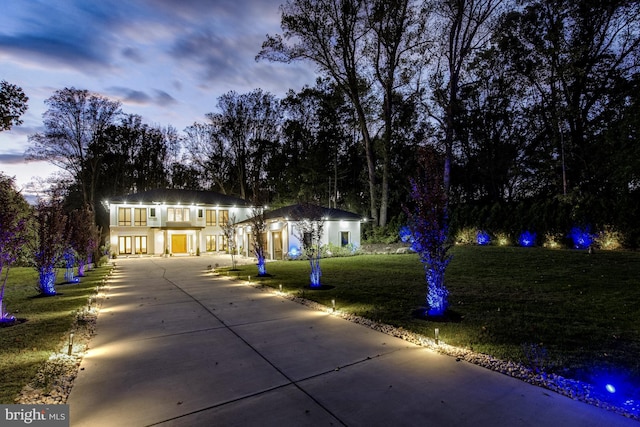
[[527, 239], [294, 252], [483, 238], [610, 388], [582, 239]]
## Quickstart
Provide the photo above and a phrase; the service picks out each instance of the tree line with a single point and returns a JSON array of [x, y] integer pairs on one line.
[[530, 105]]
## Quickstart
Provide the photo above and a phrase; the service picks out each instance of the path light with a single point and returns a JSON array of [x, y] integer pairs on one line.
[[333, 304], [280, 287], [249, 278], [70, 344], [437, 333]]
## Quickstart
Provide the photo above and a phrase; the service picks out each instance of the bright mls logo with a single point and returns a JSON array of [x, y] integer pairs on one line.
[[35, 415]]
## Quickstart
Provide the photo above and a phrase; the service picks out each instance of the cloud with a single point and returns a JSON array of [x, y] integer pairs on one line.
[[138, 97], [12, 158]]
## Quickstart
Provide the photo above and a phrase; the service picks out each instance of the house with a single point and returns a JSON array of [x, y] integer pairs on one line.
[[177, 222], [340, 228]]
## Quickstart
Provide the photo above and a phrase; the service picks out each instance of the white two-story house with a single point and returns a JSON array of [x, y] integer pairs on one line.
[[175, 222], [189, 222]]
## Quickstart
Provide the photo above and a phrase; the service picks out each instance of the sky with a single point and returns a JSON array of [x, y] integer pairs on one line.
[[165, 60]]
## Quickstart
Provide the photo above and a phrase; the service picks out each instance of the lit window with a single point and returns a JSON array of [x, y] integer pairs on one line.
[[211, 217], [344, 238], [124, 244], [124, 216], [140, 216], [223, 216], [211, 243]]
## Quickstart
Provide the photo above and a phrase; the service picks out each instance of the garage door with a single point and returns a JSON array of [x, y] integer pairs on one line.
[[179, 243]]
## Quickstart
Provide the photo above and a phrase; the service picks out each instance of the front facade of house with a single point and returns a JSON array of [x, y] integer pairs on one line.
[[176, 222], [282, 239], [188, 222]]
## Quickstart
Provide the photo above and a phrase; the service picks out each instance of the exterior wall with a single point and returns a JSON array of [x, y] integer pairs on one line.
[[291, 245], [159, 232]]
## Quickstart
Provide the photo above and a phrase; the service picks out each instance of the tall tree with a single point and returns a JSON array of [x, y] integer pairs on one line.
[[248, 124], [464, 25], [13, 104], [396, 51], [74, 120], [578, 59], [331, 34]]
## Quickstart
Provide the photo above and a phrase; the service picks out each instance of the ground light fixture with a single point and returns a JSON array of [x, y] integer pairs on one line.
[[437, 335], [333, 304], [70, 350], [280, 287]]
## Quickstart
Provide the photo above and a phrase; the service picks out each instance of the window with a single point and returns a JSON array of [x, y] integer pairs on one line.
[[124, 244], [140, 216], [128, 245], [200, 215], [344, 238], [152, 212], [124, 216], [223, 243], [178, 214], [223, 217], [211, 217], [140, 244], [211, 243]]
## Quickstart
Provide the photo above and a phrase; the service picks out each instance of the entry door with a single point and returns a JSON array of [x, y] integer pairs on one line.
[[277, 244], [179, 243]]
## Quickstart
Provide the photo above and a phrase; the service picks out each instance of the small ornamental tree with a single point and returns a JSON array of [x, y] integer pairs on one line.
[[308, 229], [50, 243], [428, 229], [14, 232], [229, 231], [258, 230]]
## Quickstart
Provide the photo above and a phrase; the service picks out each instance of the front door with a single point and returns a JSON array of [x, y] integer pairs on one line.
[[179, 243], [277, 244]]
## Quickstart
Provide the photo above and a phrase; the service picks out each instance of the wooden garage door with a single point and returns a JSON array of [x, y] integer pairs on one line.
[[179, 243]]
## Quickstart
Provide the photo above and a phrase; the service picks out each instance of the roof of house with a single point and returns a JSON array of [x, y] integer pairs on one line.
[[311, 211], [186, 197]]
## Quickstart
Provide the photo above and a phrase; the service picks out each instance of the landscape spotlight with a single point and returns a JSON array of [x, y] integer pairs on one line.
[[70, 344]]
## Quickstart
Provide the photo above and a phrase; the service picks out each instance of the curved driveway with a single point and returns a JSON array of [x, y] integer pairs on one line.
[[177, 346]]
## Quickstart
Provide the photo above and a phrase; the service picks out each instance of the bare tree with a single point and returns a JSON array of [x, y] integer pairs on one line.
[[465, 28], [74, 120], [258, 230], [229, 231], [308, 229]]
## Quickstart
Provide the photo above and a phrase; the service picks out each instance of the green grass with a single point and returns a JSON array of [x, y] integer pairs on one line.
[[25, 346], [581, 311]]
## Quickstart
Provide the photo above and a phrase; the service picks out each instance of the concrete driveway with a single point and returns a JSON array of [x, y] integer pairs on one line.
[[177, 346]]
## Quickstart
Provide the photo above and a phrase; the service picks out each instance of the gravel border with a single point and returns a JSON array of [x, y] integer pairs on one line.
[[54, 381]]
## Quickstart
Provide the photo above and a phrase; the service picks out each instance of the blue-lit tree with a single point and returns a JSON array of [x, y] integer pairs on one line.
[[308, 229], [428, 229], [527, 239], [50, 241], [483, 238], [14, 232], [581, 237], [258, 238]]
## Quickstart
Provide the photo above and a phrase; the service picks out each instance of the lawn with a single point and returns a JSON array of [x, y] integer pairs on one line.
[[44, 324], [563, 311]]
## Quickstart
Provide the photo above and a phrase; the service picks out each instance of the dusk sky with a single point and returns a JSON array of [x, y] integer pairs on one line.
[[166, 60]]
